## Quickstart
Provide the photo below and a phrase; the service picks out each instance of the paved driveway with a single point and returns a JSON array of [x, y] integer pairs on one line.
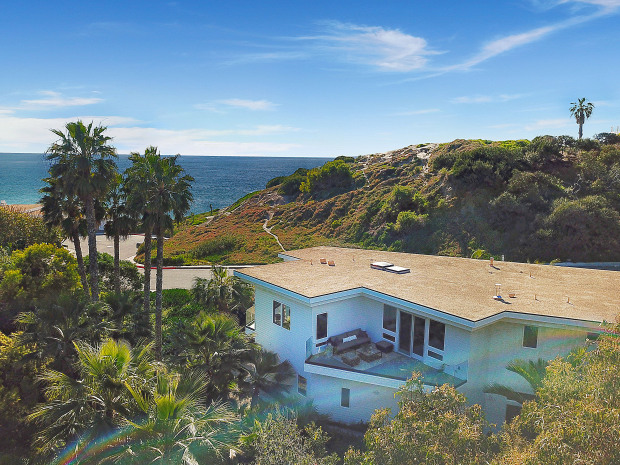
[[175, 278]]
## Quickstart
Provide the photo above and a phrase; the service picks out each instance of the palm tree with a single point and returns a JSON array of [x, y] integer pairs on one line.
[[167, 197], [581, 110], [179, 428], [99, 401], [63, 209], [532, 371], [217, 345], [118, 226], [226, 293], [266, 373], [84, 161]]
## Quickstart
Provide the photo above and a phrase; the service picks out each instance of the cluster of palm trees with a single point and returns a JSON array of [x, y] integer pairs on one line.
[[84, 188]]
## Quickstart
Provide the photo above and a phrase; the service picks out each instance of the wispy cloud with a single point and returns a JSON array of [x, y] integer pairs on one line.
[[51, 99], [418, 112], [486, 98], [382, 48], [33, 135], [254, 105], [548, 124]]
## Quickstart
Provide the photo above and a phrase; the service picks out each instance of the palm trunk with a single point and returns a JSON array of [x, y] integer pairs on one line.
[[580, 130], [147, 270], [117, 265], [158, 290], [92, 248], [80, 261]]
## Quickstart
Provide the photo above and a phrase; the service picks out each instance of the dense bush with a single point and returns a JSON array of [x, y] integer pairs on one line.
[[410, 221], [131, 280], [332, 175], [606, 138], [19, 230]]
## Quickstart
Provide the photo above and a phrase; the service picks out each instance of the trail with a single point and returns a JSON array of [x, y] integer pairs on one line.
[[268, 230]]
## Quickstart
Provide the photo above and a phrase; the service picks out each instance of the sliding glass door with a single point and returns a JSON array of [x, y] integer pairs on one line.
[[411, 333]]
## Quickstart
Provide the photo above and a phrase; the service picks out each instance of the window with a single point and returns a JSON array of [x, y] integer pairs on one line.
[[389, 337], [389, 318], [282, 315], [277, 313], [530, 336], [435, 355], [436, 334], [512, 411], [345, 395], [302, 385], [321, 326], [286, 317]]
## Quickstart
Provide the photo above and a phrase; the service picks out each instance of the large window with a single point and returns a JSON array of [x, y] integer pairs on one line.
[[436, 334], [530, 337], [302, 385], [345, 397], [321, 326], [282, 315], [389, 318]]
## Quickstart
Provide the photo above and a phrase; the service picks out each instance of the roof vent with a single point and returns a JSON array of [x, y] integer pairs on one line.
[[397, 269], [380, 265]]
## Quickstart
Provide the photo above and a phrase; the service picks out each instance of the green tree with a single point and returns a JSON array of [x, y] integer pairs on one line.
[[531, 371], [83, 162], [581, 110], [62, 208], [433, 428], [277, 440]]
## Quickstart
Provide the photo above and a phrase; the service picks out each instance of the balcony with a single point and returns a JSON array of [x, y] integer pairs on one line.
[[391, 370]]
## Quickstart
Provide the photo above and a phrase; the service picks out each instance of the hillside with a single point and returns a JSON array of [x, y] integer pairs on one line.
[[545, 199]]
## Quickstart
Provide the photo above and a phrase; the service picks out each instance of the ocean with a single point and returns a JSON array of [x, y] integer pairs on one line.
[[218, 181]]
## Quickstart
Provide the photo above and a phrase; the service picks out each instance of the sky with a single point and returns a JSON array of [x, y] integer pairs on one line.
[[305, 78]]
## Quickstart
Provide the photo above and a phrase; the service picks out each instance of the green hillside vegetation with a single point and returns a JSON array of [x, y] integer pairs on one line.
[[540, 200]]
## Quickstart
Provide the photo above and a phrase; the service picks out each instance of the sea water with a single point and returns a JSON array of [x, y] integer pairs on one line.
[[218, 181]]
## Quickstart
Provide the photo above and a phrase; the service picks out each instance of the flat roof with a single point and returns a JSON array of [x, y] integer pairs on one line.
[[461, 287]]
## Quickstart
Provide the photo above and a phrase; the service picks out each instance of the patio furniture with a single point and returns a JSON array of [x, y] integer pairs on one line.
[[369, 353], [346, 341], [385, 346], [350, 358]]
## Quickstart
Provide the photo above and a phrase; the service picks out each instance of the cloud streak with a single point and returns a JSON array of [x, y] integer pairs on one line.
[[51, 99], [486, 98]]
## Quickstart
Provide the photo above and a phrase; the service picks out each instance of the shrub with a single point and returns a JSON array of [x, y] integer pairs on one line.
[[410, 221], [607, 138], [19, 230], [332, 175], [216, 247]]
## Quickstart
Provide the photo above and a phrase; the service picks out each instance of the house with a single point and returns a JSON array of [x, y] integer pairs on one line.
[[454, 320]]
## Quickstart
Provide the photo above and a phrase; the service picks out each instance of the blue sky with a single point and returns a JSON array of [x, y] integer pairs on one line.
[[312, 78]]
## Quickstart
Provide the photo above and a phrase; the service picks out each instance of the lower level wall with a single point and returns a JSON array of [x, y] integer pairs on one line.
[[364, 399]]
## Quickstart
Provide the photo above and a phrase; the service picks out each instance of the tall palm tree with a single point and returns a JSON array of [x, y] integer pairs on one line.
[[118, 226], [137, 177], [167, 198], [581, 110], [63, 209], [83, 159], [532, 371]]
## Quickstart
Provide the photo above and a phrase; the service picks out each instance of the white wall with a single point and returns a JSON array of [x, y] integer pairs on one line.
[[349, 314], [496, 345], [288, 344], [364, 398]]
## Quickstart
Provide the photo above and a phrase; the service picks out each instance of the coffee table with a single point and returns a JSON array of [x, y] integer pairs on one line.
[[350, 358], [368, 353]]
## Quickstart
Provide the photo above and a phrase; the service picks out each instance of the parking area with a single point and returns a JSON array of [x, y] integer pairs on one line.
[[173, 278]]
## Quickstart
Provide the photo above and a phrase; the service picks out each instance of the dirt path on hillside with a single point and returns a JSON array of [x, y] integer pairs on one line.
[[268, 230]]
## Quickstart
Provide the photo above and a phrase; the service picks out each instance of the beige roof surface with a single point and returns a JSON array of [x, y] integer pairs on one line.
[[459, 286]]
